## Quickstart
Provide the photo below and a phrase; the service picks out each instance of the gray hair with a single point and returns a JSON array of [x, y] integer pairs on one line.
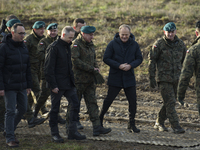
[[125, 26], [14, 27], [67, 29]]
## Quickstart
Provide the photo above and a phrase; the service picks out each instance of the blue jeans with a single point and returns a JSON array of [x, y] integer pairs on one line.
[[16, 105]]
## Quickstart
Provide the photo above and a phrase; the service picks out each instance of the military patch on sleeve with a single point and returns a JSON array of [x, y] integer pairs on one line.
[[155, 46], [24, 41], [41, 43], [188, 51], [75, 45]]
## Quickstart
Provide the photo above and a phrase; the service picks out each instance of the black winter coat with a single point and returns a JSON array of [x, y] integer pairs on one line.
[[116, 54], [58, 65], [15, 73]]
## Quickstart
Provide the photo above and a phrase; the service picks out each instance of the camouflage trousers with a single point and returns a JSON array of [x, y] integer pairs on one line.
[[2, 110], [35, 73], [45, 93], [168, 92], [88, 92]]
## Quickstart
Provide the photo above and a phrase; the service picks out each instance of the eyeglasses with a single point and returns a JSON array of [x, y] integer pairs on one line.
[[22, 33]]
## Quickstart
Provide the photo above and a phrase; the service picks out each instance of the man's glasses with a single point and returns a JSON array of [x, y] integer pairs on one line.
[[22, 33]]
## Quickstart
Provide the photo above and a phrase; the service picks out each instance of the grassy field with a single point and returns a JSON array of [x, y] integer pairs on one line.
[[146, 18]]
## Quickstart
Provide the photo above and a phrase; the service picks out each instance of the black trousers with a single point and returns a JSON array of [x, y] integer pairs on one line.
[[130, 95], [72, 98]]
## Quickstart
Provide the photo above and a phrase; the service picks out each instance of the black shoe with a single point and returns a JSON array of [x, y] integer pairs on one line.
[[61, 120], [57, 138], [79, 125], [178, 130], [1, 127], [134, 129], [97, 130], [35, 121], [75, 136]]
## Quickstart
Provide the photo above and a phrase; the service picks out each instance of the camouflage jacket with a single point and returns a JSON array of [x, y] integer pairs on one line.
[[84, 60], [42, 46], [31, 42], [196, 40], [191, 65], [165, 59]]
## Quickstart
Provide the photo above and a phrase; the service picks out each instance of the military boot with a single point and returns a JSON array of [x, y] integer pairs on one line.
[[160, 127], [75, 135], [132, 127], [35, 121], [79, 125], [178, 130], [97, 130]]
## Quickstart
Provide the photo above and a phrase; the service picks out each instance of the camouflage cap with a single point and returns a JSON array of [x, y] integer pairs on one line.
[[11, 22], [88, 29], [52, 26], [198, 24], [38, 24], [169, 27]]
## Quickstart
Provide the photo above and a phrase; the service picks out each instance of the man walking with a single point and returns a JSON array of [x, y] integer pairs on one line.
[[165, 62], [85, 67], [15, 80], [122, 55], [60, 78]]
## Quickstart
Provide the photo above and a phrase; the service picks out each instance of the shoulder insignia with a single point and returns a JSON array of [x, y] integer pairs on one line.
[[24, 41], [41, 43], [188, 51], [75, 45], [155, 46]]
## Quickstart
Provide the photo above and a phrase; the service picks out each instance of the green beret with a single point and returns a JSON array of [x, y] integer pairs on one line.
[[38, 24], [169, 27], [52, 26], [88, 29], [11, 22]]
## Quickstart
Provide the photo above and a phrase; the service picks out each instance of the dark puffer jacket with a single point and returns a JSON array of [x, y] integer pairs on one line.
[[118, 53], [15, 73]]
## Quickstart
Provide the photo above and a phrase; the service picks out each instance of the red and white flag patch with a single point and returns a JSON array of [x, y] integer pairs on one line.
[[24, 41], [41, 43], [155, 46], [188, 51], [75, 45]]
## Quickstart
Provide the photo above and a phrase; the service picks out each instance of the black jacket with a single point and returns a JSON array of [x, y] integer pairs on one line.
[[15, 73], [58, 65], [118, 53]]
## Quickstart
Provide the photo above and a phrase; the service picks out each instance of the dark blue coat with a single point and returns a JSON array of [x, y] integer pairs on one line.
[[15, 72], [116, 54]]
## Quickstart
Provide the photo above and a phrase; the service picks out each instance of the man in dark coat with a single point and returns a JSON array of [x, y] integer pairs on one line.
[[60, 78], [15, 80], [122, 55]]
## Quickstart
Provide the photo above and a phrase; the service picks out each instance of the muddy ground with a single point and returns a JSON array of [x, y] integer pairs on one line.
[[149, 102]]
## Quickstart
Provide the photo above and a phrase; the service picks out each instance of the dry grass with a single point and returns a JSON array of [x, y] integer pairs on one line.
[[146, 18]]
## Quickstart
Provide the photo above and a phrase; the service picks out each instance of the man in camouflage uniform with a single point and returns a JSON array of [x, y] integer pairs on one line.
[[191, 65], [165, 59], [84, 67], [77, 24], [52, 34], [31, 42], [6, 24]]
